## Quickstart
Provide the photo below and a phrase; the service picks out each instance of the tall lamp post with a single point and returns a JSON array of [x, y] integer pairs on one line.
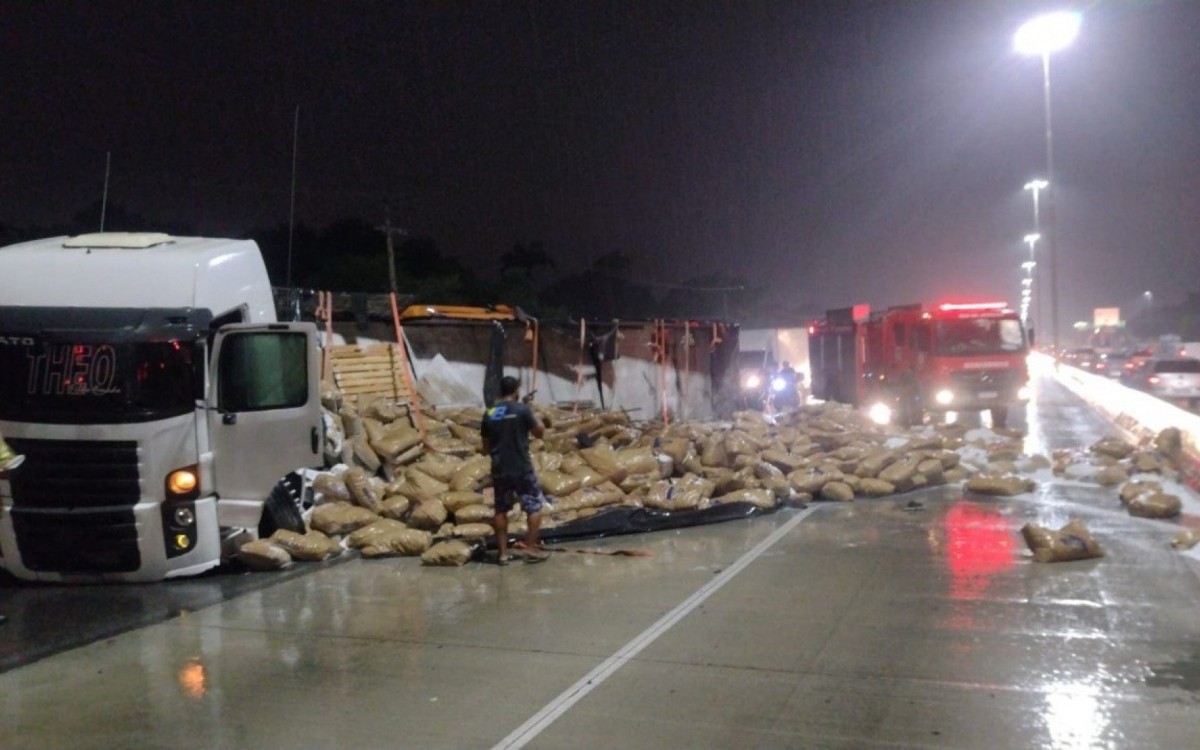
[[1042, 37]]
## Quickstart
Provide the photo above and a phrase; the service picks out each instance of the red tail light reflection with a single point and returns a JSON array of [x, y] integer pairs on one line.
[[979, 544]]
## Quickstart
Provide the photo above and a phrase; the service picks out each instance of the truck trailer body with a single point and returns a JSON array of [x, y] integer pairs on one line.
[[156, 399]]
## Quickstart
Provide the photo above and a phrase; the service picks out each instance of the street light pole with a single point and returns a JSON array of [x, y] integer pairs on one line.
[[1030, 267], [1041, 37]]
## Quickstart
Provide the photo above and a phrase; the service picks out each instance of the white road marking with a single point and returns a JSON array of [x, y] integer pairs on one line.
[[537, 723]]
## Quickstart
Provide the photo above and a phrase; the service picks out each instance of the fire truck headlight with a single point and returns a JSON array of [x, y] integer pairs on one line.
[[752, 381], [1023, 393], [945, 397], [184, 516], [880, 413], [184, 484], [778, 384]]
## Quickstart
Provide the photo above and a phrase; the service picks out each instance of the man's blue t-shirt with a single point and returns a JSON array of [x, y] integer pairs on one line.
[[506, 425]]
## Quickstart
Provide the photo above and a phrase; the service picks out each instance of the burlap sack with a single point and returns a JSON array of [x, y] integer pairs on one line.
[[313, 546], [1169, 442], [362, 490], [1071, 542], [403, 542], [367, 535], [263, 554], [603, 459], [837, 491], [760, 498], [451, 552], [713, 453], [478, 513], [363, 454], [340, 518], [455, 501], [428, 515], [872, 487], [1186, 539], [396, 439], [1006, 486], [1155, 505], [473, 530], [330, 488], [557, 483], [1112, 446], [423, 483], [395, 507], [440, 466]]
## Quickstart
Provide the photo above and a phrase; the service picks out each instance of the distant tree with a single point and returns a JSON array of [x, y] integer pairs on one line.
[[526, 258]]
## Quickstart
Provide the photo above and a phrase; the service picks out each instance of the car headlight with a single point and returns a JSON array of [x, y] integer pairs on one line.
[[945, 397], [880, 413], [752, 381]]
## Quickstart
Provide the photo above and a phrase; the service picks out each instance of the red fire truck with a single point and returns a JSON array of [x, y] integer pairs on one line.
[[905, 361]]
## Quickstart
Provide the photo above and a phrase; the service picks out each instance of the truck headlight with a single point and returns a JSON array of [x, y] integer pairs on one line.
[[778, 384], [184, 484], [752, 381], [945, 397], [880, 413]]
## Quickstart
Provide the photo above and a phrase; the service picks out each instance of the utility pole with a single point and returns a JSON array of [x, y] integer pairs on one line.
[[391, 232]]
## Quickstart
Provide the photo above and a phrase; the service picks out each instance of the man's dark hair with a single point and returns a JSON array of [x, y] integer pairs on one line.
[[509, 385]]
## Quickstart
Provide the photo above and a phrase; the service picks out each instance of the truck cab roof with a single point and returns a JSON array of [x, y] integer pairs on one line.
[[122, 269]]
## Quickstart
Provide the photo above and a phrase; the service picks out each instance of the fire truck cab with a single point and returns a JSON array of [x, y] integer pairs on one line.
[[906, 361]]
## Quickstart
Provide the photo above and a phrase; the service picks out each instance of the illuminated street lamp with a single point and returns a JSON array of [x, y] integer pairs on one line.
[[1029, 265], [1042, 37]]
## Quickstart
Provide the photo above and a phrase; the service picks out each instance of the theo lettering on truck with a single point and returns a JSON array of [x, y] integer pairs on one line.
[[73, 370]]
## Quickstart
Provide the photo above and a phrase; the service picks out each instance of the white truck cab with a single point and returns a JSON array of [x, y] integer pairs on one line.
[[156, 399]]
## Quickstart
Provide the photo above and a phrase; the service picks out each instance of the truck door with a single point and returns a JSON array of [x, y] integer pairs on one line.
[[264, 406]]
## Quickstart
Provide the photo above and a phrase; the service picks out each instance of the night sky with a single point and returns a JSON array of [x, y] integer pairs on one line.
[[832, 152]]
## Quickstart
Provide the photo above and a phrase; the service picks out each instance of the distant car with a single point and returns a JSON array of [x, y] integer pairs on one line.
[[1083, 358], [1134, 364], [1171, 379], [1112, 364]]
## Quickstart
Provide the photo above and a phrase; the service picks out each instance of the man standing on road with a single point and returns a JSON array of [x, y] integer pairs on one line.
[[505, 430]]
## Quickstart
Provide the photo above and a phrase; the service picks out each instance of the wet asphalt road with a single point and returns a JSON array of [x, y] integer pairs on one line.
[[870, 624]]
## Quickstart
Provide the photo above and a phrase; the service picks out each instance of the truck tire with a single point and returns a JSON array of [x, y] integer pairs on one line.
[[999, 416], [281, 510]]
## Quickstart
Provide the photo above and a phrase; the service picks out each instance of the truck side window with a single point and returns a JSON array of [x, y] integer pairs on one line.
[[922, 339], [263, 371]]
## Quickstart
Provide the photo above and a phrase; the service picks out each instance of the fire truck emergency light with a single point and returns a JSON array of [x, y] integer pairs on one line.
[[950, 307]]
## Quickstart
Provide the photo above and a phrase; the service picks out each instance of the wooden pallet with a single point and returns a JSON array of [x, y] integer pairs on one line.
[[363, 373]]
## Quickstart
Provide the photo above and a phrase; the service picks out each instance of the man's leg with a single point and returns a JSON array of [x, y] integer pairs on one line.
[[535, 527], [500, 524]]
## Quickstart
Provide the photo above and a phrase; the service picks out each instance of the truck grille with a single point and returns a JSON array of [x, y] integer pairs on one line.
[[74, 474], [73, 505], [1002, 381], [77, 542]]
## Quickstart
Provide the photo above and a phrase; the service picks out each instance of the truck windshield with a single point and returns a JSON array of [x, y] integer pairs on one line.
[[967, 336], [96, 375]]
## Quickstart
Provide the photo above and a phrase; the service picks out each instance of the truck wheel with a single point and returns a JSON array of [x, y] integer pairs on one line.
[[281, 510], [999, 416]]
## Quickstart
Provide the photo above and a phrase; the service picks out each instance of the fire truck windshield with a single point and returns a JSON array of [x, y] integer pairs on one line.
[[970, 336]]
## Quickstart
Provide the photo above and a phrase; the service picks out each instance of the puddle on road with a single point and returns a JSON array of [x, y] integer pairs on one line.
[[1184, 674]]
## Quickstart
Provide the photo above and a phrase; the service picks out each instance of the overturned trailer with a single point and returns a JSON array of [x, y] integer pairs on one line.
[[665, 369]]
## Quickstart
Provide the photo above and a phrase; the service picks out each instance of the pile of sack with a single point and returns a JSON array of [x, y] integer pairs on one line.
[[394, 491]]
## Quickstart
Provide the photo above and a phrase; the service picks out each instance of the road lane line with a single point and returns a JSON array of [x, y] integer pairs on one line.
[[537, 723]]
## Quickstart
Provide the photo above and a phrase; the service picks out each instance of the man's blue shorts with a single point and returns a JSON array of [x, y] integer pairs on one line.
[[524, 487]]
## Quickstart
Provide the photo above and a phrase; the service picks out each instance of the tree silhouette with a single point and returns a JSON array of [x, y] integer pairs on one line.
[[525, 258]]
